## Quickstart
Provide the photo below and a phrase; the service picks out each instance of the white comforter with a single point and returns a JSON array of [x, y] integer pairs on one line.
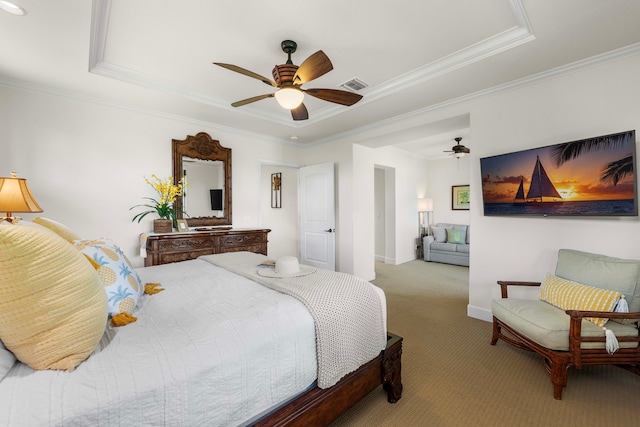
[[210, 350]]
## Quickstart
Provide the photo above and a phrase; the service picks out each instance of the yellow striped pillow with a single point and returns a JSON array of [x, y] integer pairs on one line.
[[53, 308], [569, 295], [60, 229]]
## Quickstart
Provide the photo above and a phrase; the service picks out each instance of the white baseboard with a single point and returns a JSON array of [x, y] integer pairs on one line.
[[479, 313]]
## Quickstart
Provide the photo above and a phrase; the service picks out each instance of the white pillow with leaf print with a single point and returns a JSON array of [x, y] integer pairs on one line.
[[121, 281]]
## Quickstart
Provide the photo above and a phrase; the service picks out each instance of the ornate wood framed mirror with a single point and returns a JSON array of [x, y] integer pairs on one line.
[[205, 166]]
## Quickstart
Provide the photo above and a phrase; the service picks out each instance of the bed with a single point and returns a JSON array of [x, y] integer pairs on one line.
[[214, 348]]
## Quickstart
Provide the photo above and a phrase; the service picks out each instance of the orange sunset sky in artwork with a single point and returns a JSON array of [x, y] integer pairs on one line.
[[575, 180]]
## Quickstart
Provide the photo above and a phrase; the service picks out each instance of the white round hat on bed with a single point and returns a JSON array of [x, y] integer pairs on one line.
[[286, 266]]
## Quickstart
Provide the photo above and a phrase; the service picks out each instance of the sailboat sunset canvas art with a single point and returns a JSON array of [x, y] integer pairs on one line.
[[593, 177]]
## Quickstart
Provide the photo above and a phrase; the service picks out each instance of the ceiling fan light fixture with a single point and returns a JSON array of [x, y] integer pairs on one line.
[[289, 97], [458, 155]]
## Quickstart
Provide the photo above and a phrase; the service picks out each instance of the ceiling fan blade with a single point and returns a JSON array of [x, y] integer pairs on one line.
[[250, 100], [465, 150], [247, 73], [300, 113], [334, 95], [313, 67]]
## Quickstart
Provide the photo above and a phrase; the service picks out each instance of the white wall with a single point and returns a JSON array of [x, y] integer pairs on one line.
[[85, 162], [379, 219], [283, 239], [596, 101], [443, 174]]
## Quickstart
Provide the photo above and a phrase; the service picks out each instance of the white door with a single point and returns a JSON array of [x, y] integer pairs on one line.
[[317, 216]]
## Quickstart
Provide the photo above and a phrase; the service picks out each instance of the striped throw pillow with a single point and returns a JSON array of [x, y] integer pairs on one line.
[[569, 295]]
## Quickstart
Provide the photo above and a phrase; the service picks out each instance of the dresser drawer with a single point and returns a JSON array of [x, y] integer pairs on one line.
[[187, 244], [182, 256], [259, 249], [242, 239]]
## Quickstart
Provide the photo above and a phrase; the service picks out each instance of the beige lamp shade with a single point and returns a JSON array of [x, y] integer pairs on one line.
[[15, 196]]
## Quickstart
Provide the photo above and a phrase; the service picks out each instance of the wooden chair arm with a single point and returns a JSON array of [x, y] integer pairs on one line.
[[579, 314], [504, 283], [575, 329]]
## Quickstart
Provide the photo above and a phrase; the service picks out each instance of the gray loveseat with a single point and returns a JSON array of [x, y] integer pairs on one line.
[[448, 243]]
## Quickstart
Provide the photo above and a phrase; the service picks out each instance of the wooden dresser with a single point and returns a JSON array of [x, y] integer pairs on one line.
[[174, 247]]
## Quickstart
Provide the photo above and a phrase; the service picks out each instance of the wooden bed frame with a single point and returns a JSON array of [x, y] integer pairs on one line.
[[319, 407]]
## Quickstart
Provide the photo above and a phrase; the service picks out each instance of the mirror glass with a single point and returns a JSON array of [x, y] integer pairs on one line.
[[202, 197], [205, 166]]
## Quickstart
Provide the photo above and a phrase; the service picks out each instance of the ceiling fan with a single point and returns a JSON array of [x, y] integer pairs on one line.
[[288, 79], [458, 151]]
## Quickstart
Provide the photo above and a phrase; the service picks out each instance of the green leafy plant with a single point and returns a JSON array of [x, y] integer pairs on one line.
[[164, 205]]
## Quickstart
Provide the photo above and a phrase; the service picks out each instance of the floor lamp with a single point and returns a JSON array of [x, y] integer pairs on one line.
[[425, 207]]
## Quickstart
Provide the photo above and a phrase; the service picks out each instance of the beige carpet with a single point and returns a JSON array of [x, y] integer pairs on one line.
[[452, 376]]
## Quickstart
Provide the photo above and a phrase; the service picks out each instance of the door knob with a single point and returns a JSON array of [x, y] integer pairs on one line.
[[331, 230]]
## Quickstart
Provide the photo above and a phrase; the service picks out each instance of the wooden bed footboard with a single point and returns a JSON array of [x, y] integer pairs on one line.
[[319, 407]]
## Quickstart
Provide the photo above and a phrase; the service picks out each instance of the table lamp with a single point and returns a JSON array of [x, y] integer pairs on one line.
[[15, 196]]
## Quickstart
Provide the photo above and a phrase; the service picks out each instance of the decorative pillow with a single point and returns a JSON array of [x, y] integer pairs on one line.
[[53, 310], [456, 236], [60, 229], [439, 234], [7, 359], [120, 280], [569, 295]]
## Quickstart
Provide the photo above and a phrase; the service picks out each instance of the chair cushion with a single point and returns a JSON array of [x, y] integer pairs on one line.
[[548, 325], [569, 295], [601, 271]]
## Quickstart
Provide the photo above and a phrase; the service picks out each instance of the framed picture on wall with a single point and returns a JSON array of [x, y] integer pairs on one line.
[[460, 197]]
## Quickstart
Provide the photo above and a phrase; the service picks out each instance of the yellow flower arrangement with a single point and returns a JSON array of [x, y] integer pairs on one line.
[[164, 205]]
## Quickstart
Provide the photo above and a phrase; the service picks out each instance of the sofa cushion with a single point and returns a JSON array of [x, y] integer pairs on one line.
[[443, 247], [463, 227], [548, 325], [463, 248], [603, 272], [569, 295], [456, 236], [439, 234]]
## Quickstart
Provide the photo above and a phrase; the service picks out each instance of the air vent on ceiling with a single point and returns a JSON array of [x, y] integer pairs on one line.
[[355, 85]]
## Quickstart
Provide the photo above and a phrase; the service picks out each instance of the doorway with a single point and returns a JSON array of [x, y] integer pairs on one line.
[[384, 214]]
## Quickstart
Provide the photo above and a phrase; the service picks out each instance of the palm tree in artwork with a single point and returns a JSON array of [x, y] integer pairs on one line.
[[614, 171]]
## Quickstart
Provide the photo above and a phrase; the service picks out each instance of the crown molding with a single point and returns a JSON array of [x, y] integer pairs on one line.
[[573, 67], [519, 34], [45, 90]]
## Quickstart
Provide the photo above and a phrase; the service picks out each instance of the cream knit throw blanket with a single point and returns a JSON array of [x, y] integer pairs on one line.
[[346, 309]]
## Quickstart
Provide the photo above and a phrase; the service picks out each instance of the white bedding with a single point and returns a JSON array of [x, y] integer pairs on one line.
[[238, 349]]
